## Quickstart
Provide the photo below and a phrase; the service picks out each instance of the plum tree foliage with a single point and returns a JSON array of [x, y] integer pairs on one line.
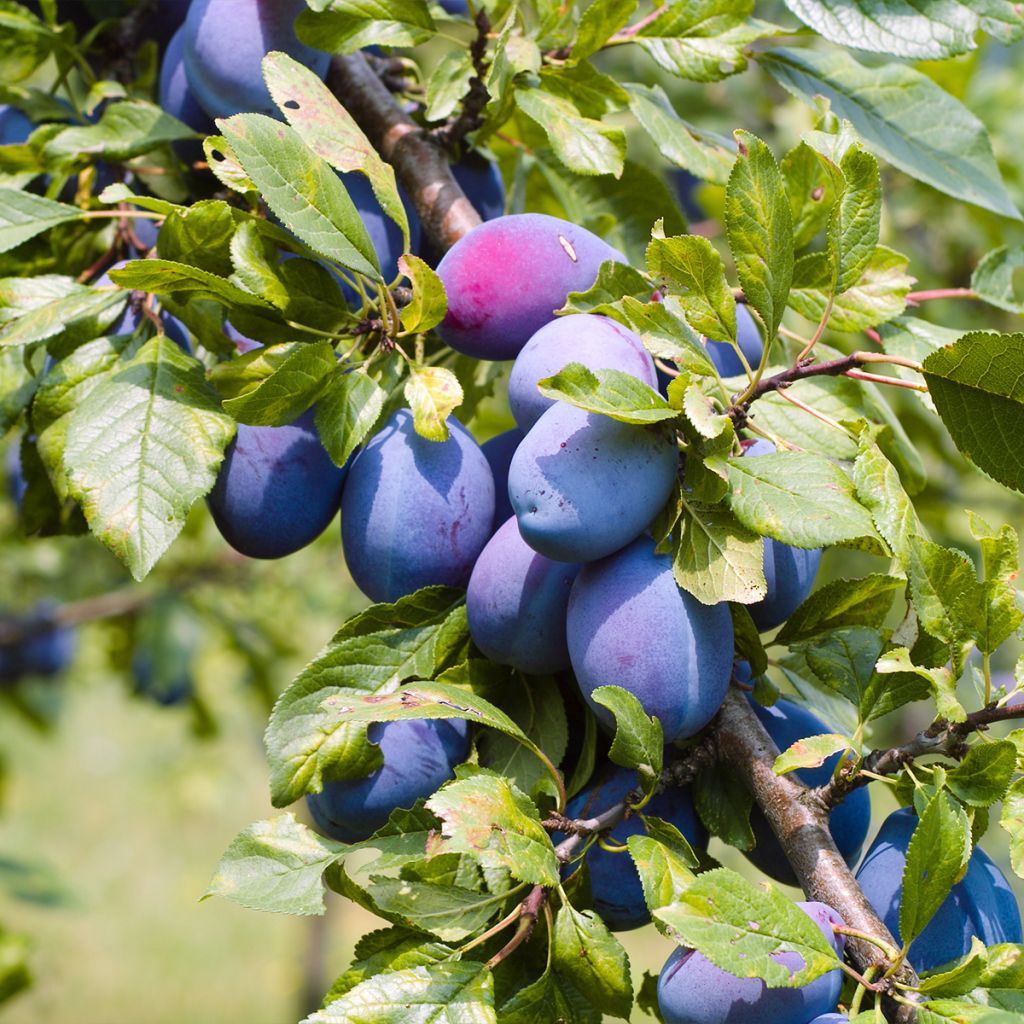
[[294, 258]]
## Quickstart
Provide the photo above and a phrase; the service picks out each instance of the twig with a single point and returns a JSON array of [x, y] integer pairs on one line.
[[941, 293], [529, 910], [471, 114]]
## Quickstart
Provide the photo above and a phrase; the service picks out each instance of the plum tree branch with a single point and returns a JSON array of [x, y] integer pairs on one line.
[[420, 164]]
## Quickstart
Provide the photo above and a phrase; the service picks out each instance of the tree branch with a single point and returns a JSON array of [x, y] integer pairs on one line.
[[471, 114], [421, 165]]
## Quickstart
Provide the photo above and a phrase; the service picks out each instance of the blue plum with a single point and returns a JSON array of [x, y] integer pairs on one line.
[[786, 723], [384, 233], [505, 279], [789, 572], [17, 485], [415, 512], [277, 489], [225, 42], [830, 1018], [131, 317], [164, 689], [598, 342], [499, 451], [420, 755], [630, 625], [516, 604], [584, 485], [46, 648], [981, 903], [615, 885], [457, 7], [723, 355], [177, 99], [15, 127], [692, 990]]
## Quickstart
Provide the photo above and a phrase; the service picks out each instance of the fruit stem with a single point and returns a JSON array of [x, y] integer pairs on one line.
[[527, 914]]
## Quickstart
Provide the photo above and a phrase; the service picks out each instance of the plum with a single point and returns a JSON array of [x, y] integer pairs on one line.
[[981, 903], [723, 355], [692, 990], [786, 723], [516, 604], [15, 127], [630, 625], [584, 485], [789, 572], [165, 689], [131, 317], [831, 1018], [415, 512], [499, 451], [225, 43], [178, 100], [277, 489], [419, 756], [46, 648], [598, 342], [615, 885], [505, 279]]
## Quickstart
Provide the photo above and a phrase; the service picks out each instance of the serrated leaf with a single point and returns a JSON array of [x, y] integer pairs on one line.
[[689, 266], [984, 775], [843, 661], [591, 957], [276, 865], [346, 26], [224, 164], [760, 230], [432, 392], [347, 411], [638, 742], [598, 23], [24, 215], [1012, 821], [724, 804], [946, 593], [448, 911], [429, 304], [553, 996], [665, 872], [903, 117], [996, 278], [854, 224], [881, 492], [141, 448], [738, 926], [609, 392], [80, 316], [941, 681], [811, 189], [860, 602], [936, 858], [490, 819], [811, 752], [977, 385]]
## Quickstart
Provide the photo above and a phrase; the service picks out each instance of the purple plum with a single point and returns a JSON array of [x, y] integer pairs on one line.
[[499, 451]]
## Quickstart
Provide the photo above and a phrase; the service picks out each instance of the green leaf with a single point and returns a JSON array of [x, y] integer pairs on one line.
[[302, 189], [25, 42], [225, 166], [592, 958], [929, 30], [811, 752], [724, 803], [665, 333], [977, 385], [609, 392], [347, 411], [997, 279], [880, 491], [941, 681], [638, 742], [15, 975], [583, 144], [961, 978], [429, 304], [665, 870], [936, 857], [984, 774], [703, 153], [861, 602], [488, 818], [450, 992], [273, 386], [689, 266], [797, 498], [276, 865], [376, 650], [346, 26], [141, 448], [760, 230], [598, 23], [1012, 821], [24, 215], [1000, 553], [854, 224], [739, 926], [551, 996], [432, 392], [811, 187], [903, 117], [946, 593]]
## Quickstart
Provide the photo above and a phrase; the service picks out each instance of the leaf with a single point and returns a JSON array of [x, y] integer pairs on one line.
[[760, 230], [612, 393], [638, 742], [276, 865], [297, 377], [854, 224], [984, 775], [928, 30], [141, 448], [487, 817], [664, 869], [843, 661], [432, 393], [977, 385], [941, 681], [738, 926], [797, 498], [330, 131], [1012, 821], [690, 267], [23, 215], [703, 153], [880, 491], [903, 117], [598, 23], [347, 411], [861, 602], [946, 593], [724, 804], [302, 189], [996, 278], [811, 752], [377, 650], [811, 187], [551, 996], [346, 26], [936, 858], [591, 957], [225, 166], [450, 992], [429, 304]]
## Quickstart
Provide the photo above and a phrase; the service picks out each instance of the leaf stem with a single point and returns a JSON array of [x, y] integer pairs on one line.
[[528, 911], [877, 378], [822, 324], [942, 293]]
